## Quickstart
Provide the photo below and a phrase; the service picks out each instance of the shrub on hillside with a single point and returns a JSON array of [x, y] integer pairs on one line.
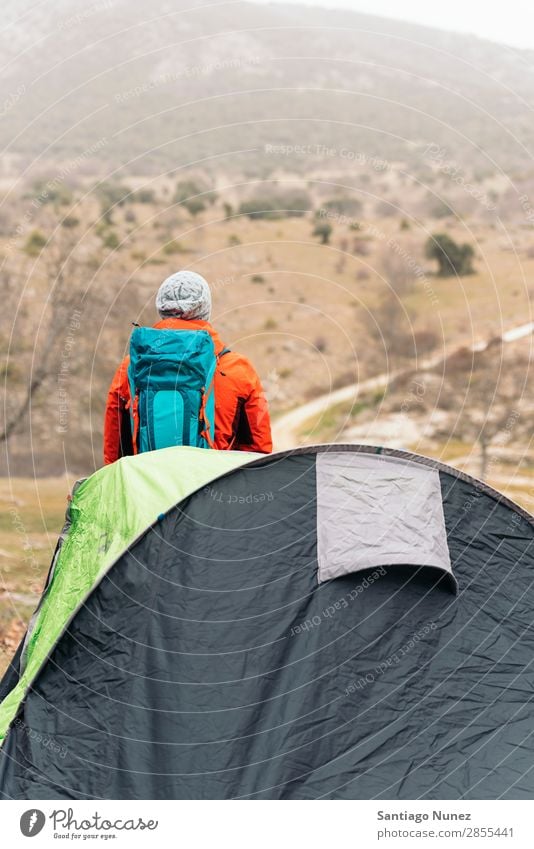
[[52, 191], [34, 243], [343, 206], [111, 240], [441, 209], [290, 204], [111, 195], [260, 207], [193, 196], [174, 247], [145, 196], [70, 222]]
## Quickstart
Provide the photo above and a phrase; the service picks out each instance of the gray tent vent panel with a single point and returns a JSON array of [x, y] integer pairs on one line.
[[378, 510]]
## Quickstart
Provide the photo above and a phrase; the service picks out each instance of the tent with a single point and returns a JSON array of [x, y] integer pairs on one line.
[[331, 622]]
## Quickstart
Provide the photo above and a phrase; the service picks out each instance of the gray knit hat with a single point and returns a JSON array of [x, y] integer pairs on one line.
[[184, 294]]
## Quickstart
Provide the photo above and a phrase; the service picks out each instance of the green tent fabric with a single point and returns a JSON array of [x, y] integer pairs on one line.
[[108, 512]]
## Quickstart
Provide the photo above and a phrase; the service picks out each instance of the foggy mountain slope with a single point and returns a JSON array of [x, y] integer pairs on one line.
[[155, 87]]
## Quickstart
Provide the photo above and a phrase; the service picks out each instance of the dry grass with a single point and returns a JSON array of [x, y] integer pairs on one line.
[[31, 517]]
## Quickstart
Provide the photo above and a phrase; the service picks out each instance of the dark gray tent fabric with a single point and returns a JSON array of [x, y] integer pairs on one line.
[[212, 663]]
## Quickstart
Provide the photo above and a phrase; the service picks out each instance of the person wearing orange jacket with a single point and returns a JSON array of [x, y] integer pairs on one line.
[[242, 419]]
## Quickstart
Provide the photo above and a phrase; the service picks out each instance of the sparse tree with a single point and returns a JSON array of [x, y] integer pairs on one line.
[[40, 360], [343, 206], [110, 196], [397, 271], [342, 260], [453, 259], [392, 330], [441, 209], [194, 206], [361, 246], [193, 196], [323, 231], [489, 398]]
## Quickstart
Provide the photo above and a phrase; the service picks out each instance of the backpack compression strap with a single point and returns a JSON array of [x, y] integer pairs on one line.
[[205, 433]]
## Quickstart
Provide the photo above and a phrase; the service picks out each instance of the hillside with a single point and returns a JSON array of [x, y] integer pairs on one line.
[[135, 141], [312, 317], [150, 88]]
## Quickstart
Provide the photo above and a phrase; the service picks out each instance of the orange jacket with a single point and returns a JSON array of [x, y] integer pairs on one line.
[[241, 413]]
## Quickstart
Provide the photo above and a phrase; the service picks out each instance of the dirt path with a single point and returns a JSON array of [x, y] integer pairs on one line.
[[286, 428]]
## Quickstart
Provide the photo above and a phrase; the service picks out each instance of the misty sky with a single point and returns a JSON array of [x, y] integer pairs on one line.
[[511, 22]]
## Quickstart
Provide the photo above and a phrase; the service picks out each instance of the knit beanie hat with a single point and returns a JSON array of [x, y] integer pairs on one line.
[[184, 294]]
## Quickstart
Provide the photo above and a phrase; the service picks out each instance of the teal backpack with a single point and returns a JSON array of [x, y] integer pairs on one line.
[[171, 375]]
